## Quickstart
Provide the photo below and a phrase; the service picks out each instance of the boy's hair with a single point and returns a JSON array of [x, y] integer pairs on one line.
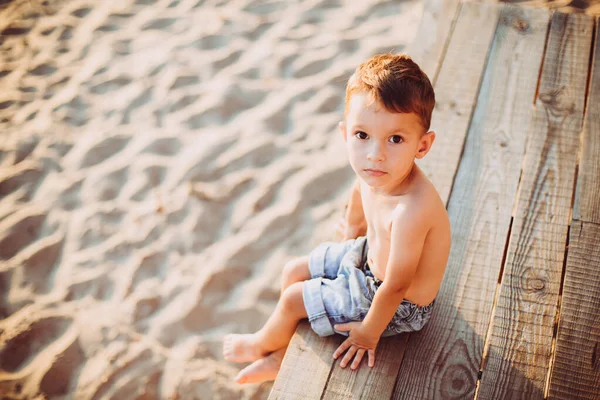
[[397, 82]]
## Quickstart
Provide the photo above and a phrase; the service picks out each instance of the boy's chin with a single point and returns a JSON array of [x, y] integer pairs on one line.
[[375, 182]]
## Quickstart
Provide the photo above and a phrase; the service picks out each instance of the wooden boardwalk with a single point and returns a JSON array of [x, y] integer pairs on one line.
[[517, 161]]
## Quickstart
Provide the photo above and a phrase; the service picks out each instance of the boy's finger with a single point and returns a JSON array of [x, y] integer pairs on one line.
[[371, 355], [349, 354], [342, 347], [359, 355]]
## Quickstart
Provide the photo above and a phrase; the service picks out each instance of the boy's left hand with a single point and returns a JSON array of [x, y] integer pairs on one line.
[[358, 343]]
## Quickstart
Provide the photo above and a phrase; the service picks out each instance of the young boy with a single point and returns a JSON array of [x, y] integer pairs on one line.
[[383, 283]]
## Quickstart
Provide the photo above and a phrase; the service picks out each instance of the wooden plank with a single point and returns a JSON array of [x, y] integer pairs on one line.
[[369, 383], [521, 338], [306, 365], [576, 371], [576, 367], [443, 360], [470, 41], [587, 207], [429, 45]]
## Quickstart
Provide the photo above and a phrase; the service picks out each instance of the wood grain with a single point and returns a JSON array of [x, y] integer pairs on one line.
[[576, 369], [456, 92], [433, 34], [523, 325], [587, 206], [306, 365], [447, 353], [369, 383]]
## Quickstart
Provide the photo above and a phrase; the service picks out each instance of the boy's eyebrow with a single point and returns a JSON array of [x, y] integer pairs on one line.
[[396, 132]]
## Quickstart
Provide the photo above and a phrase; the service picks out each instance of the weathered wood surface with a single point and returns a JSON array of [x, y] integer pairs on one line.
[[489, 92], [306, 365], [576, 367], [587, 206], [456, 92], [521, 338], [447, 353], [433, 34], [576, 370]]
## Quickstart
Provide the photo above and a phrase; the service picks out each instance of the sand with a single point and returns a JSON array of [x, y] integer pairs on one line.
[[160, 161]]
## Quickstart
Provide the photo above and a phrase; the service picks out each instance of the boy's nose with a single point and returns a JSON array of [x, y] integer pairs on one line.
[[376, 153]]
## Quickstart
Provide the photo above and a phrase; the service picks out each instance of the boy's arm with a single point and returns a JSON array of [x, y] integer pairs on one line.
[[408, 233], [353, 224]]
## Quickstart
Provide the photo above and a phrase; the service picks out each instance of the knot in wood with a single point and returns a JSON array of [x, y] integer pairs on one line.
[[532, 282], [457, 382], [521, 25], [536, 284], [558, 101]]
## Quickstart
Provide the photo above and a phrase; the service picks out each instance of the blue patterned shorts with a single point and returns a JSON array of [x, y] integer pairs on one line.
[[342, 287]]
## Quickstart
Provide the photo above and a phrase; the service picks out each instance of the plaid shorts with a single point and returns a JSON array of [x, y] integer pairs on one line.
[[342, 287]]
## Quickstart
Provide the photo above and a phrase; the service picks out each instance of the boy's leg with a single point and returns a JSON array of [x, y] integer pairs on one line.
[[262, 370], [275, 334], [266, 369], [294, 271]]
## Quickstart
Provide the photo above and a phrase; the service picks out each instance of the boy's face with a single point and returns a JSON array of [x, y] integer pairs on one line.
[[382, 145]]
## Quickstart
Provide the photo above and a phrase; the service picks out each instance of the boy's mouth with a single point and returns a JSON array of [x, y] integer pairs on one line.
[[374, 172]]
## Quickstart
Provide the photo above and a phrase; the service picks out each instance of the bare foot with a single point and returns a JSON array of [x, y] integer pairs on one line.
[[242, 348], [262, 370]]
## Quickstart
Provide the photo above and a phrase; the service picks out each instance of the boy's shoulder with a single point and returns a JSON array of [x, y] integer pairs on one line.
[[421, 205]]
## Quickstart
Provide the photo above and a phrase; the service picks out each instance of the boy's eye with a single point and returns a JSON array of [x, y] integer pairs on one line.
[[361, 135], [396, 139]]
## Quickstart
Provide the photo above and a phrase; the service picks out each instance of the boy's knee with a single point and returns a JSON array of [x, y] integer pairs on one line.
[[292, 300], [295, 270]]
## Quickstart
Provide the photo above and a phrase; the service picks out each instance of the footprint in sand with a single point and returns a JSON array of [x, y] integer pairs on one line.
[[44, 69], [19, 230], [152, 265], [184, 81], [24, 177], [107, 186], [99, 227], [110, 85], [154, 176], [99, 285], [22, 347], [57, 379], [103, 150], [144, 98], [159, 24], [40, 261]]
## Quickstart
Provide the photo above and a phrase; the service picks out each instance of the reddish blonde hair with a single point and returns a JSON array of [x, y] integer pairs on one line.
[[396, 82]]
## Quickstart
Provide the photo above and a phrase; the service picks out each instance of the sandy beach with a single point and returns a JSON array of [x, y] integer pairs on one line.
[[160, 161]]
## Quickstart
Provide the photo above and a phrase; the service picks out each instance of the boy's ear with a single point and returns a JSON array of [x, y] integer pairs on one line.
[[342, 126], [425, 144]]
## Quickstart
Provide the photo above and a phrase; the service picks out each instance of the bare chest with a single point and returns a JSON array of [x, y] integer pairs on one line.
[[379, 221]]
